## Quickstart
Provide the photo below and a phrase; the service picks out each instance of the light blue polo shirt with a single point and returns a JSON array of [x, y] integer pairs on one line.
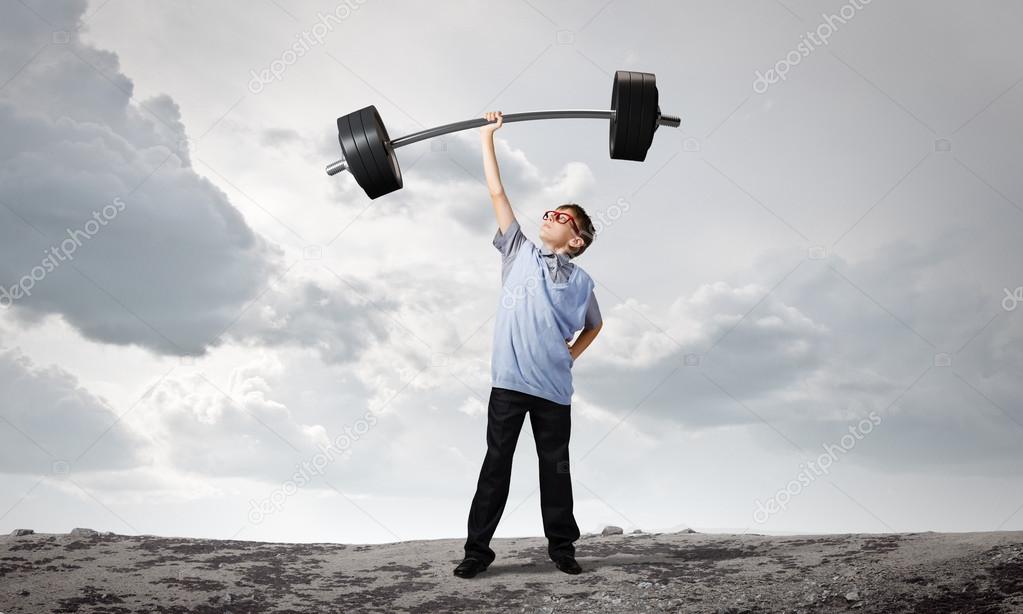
[[544, 301]]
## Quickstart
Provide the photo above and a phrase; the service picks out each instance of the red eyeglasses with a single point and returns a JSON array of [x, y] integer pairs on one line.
[[561, 217]]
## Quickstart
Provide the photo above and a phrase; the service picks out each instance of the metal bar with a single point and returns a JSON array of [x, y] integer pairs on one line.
[[336, 167], [508, 118], [672, 121], [663, 120]]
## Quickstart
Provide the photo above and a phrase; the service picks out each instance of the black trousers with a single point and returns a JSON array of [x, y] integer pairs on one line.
[[552, 424]]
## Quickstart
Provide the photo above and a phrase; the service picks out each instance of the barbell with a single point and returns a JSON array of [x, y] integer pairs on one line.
[[368, 152]]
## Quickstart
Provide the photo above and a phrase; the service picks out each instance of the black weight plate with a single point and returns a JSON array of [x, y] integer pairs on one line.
[[647, 116], [634, 99], [620, 105], [635, 117], [375, 179], [350, 150], [367, 145], [388, 172]]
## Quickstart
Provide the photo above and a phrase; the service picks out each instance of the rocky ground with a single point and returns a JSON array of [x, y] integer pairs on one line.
[[86, 571]]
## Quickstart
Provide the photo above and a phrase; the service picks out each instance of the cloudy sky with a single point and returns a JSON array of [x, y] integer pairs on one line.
[[809, 289]]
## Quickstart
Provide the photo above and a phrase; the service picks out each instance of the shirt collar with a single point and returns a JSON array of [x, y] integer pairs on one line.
[[561, 257]]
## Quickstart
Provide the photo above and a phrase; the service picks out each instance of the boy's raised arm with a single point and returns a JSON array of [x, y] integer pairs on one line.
[[502, 208]]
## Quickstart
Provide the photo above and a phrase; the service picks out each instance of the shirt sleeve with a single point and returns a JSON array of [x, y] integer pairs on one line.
[[510, 241], [509, 244], [593, 318]]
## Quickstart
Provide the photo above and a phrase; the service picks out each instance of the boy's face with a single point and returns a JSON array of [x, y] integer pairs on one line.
[[560, 235]]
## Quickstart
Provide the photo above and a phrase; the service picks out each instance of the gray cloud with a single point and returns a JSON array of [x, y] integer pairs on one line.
[[173, 265], [819, 353], [279, 137], [48, 418], [339, 320]]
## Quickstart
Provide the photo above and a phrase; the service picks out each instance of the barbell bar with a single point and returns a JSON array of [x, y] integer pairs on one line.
[[368, 152]]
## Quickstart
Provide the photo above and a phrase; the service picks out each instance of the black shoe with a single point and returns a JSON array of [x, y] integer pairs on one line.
[[568, 564], [469, 567]]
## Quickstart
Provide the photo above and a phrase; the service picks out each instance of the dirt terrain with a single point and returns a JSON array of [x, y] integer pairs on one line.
[[88, 571]]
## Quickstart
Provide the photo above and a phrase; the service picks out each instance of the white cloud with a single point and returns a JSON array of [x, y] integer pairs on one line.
[[231, 429]]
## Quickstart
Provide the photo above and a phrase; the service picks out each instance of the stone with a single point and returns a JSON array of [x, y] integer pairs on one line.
[[611, 530]]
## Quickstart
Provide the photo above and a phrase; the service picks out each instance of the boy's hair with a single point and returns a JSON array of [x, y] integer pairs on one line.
[[585, 224]]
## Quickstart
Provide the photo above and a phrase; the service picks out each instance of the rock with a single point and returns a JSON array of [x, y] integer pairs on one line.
[[80, 532], [637, 531], [611, 530], [20, 532], [852, 596], [645, 584]]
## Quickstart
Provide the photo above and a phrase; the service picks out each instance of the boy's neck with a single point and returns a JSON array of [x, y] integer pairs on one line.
[[558, 250]]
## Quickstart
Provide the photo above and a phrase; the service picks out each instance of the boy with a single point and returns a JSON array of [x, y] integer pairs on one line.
[[545, 300]]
